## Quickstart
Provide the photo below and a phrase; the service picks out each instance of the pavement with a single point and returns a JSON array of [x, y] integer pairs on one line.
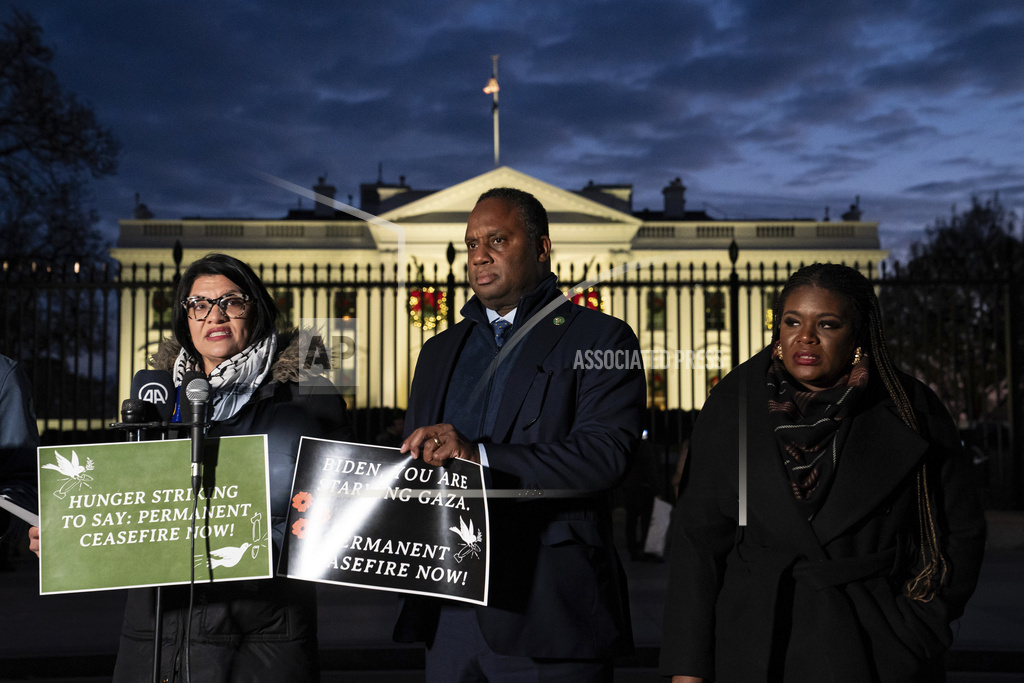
[[73, 638]]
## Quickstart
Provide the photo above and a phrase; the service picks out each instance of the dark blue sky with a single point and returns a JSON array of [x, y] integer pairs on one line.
[[764, 108]]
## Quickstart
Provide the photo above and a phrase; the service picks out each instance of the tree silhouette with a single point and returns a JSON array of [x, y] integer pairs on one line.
[[50, 144], [948, 312]]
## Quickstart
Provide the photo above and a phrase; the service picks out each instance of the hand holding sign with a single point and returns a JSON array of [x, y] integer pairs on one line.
[[437, 444], [119, 515], [370, 517]]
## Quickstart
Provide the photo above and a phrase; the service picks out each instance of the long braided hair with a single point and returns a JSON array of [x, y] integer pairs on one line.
[[857, 290]]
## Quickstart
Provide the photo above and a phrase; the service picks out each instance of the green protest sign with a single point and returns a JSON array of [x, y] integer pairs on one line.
[[120, 515]]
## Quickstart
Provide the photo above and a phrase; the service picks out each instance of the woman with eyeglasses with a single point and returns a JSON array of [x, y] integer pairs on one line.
[[225, 327]]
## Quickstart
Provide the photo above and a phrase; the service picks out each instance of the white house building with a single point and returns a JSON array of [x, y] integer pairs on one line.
[[382, 272]]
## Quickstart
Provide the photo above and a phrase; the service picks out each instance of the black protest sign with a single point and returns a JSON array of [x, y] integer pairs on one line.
[[370, 517]]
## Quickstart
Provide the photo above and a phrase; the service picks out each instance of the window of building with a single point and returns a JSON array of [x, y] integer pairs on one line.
[[162, 309], [656, 381], [656, 311], [714, 310], [768, 298], [713, 377], [345, 304], [285, 300]]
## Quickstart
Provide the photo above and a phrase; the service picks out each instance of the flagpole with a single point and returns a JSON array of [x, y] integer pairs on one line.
[[492, 89]]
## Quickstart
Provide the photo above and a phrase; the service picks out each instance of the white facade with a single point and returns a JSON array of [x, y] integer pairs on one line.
[[596, 235]]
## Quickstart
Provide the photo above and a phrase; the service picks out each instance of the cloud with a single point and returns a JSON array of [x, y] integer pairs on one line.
[[912, 102]]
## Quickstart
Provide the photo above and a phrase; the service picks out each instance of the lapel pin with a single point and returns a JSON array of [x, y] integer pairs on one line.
[[559, 320]]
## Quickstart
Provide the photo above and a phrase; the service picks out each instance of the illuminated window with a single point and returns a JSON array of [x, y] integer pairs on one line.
[[162, 309], [285, 300], [768, 298], [656, 310], [656, 382], [714, 310], [345, 304]]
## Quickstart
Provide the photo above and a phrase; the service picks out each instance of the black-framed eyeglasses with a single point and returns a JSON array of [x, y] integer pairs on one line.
[[231, 305]]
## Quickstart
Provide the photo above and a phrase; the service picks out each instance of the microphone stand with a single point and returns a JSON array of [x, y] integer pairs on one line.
[[197, 391], [133, 414]]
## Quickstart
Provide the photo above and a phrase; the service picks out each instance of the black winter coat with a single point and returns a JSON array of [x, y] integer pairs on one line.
[[787, 599], [263, 630]]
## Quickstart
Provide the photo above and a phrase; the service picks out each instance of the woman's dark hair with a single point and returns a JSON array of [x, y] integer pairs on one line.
[[261, 311], [867, 328]]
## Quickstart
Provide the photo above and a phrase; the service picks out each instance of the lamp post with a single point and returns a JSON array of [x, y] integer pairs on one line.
[[734, 306]]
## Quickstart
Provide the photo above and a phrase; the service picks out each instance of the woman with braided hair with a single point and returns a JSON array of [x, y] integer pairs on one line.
[[827, 530]]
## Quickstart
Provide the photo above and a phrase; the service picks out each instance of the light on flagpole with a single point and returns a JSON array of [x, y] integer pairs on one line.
[[492, 89]]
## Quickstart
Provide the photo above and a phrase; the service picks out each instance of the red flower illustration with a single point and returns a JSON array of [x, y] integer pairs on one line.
[[301, 501], [299, 527]]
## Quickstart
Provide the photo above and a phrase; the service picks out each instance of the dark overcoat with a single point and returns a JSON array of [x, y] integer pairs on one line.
[[787, 599], [262, 630], [18, 441], [559, 444]]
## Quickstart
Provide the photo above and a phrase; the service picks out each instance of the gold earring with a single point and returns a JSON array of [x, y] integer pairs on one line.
[[778, 349], [857, 356]]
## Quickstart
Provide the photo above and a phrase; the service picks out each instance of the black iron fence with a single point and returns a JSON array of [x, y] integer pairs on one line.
[[82, 332]]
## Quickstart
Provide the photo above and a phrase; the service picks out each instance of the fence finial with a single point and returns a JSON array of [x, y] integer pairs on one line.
[[176, 254]]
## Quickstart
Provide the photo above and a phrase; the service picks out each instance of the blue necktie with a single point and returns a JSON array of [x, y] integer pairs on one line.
[[501, 327]]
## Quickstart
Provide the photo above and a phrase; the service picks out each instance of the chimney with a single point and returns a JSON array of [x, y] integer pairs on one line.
[[141, 211], [369, 197], [675, 199], [321, 210], [854, 213]]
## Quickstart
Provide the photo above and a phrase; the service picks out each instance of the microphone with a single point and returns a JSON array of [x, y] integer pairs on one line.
[[197, 391], [183, 413], [133, 412], [145, 413], [155, 387]]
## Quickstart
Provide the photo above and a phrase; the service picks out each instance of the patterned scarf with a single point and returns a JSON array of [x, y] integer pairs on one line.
[[807, 425], [234, 380]]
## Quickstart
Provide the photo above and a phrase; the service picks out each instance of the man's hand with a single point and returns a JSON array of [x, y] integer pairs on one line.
[[33, 539], [437, 444]]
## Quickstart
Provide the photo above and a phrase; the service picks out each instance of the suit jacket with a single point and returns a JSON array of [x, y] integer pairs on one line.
[[560, 443], [18, 440], [818, 600]]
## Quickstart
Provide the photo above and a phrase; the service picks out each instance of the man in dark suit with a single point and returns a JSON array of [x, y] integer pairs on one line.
[[18, 441], [546, 395]]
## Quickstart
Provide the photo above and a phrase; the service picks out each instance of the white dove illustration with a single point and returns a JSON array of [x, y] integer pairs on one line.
[[74, 473], [466, 533], [64, 466], [470, 540], [227, 556]]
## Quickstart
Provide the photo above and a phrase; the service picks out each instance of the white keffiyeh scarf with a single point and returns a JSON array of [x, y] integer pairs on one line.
[[233, 381]]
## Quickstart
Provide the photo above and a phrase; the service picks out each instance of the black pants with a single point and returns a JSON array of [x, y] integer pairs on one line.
[[459, 654]]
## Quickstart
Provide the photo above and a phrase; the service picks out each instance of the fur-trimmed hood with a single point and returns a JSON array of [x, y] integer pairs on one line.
[[287, 367]]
